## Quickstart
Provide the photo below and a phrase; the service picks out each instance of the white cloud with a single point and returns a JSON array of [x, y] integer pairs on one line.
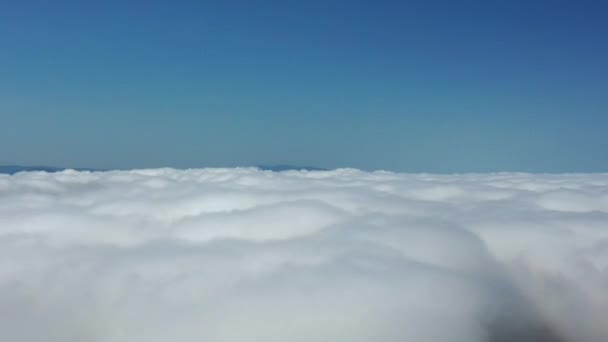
[[237, 255]]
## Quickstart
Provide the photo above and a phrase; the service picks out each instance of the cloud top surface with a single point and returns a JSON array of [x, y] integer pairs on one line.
[[237, 255]]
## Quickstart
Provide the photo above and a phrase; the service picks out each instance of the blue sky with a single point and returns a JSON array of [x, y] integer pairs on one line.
[[435, 86]]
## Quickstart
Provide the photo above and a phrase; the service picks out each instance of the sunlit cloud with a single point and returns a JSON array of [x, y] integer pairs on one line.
[[237, 255]]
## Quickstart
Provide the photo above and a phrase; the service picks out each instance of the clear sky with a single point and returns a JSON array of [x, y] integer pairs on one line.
[[437, 86]]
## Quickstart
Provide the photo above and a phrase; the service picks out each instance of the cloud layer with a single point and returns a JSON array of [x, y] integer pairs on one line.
[[236, 255]]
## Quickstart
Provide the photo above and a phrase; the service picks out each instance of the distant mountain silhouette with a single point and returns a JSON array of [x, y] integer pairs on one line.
[[279, 168], [12, 169]]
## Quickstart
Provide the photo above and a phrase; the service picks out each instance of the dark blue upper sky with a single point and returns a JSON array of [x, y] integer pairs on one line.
[[439, 86]]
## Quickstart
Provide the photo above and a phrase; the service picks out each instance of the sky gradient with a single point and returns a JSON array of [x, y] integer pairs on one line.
[[420, 86]]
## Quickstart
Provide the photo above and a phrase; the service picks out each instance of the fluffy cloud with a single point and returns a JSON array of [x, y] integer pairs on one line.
[[237, 255]]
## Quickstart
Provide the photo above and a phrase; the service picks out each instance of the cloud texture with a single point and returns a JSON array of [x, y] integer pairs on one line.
[[237, 255]]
